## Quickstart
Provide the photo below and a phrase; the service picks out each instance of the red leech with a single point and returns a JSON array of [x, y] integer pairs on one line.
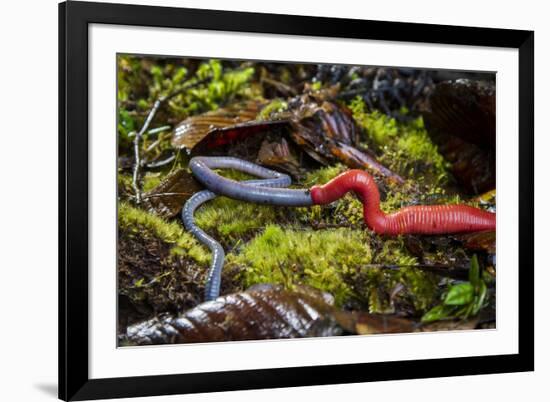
[[424, 219]]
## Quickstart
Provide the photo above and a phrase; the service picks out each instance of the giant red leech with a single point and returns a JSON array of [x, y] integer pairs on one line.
[[422, 219]]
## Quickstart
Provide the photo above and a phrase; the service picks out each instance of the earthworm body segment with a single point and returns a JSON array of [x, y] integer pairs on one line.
[[270, 189]]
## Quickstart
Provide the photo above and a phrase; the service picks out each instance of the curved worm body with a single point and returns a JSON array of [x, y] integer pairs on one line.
[[258, 191], [432, 219], [424, 219], [213, 281]]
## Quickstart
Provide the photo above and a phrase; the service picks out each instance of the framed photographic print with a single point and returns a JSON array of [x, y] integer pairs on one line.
[[256, 200]]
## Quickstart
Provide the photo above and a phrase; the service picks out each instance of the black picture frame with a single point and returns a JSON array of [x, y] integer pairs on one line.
[[74, 381]]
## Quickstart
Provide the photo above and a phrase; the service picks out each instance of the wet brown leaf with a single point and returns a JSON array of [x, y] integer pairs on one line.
[[264, 312], [168, 197], [482, 241], [194, 129], [267, 313]]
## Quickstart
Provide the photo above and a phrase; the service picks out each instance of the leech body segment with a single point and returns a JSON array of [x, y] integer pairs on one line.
[[270, 189], [421, 219]]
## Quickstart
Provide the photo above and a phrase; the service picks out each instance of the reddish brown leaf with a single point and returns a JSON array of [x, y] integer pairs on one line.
[[220, 137], [193, 129]]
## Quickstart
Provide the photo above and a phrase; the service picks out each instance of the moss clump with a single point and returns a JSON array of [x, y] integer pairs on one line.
[[405, 146], [148, 225], [420, 287], [150, 181], [233, 174], [323, 175], [124, 186], [272, 109], [383, 288], [232, 218], [292, 257]]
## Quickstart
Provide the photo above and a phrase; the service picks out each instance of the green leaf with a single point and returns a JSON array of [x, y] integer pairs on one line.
[[473, 274], [438, 313], [480, 298], [460, 294]]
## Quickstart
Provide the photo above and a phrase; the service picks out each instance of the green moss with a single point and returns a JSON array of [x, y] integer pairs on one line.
[[405, 146], [316, 86], [272, 109], [124, 182], [398, 196], [150, 181], [346, 212], [145, 224], [223, 86], [323, 175], [291, 257], [234, 174], [420, 287], [233, 218]]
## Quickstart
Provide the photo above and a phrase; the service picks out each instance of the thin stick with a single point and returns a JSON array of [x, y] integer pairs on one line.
[[442, 270], [147, 196], [164, 162], [137, 164]]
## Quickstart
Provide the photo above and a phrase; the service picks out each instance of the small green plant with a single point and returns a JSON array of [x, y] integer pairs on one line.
[[462, 300], [141, 82]]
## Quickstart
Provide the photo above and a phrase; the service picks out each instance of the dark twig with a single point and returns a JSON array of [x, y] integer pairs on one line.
[[442, 270]]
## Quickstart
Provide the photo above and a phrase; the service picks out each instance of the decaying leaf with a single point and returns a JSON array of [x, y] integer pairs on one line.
[[263, 312], [367, 324], [322, 129], [482, 241], [169, 196], [278, 154], [194, 129]]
